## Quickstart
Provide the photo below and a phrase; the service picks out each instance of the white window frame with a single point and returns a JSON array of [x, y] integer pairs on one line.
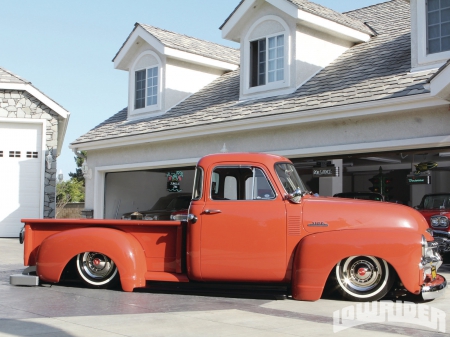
[[147, 110], [422, 34], [246, 71]]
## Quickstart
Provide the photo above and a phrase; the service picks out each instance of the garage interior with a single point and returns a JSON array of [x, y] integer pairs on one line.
[[139, 190]]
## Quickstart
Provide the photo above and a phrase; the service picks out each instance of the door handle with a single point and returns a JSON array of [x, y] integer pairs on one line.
[[212, 211]]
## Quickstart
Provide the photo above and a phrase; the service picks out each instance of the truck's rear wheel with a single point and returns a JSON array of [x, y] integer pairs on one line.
[[363, 278], [97, 269]]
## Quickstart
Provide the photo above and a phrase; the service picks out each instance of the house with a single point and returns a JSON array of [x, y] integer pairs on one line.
[[32, 129], [359, 92]]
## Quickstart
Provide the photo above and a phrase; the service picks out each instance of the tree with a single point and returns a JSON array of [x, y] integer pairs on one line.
[[68, 191], [78, 175]]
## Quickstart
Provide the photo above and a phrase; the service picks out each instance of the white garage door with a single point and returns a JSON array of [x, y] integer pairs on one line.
[[20, 175]]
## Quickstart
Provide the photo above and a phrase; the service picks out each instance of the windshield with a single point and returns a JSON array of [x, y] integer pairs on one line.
[[289, 177], [436, 202]]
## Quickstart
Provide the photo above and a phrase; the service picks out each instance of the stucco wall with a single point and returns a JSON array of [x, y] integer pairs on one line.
[[407, 125], [20, 104]]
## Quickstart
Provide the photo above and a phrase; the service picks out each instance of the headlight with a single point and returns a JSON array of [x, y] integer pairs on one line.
[[126, 217], [424, 246], [151, 217], [439, 221]]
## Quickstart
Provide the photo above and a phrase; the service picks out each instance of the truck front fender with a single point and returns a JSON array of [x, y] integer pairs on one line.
[[317, 254], [123, 248]]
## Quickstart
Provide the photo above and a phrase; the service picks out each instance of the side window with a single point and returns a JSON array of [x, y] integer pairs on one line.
[[198, 184], [438, 26], [240, 183]]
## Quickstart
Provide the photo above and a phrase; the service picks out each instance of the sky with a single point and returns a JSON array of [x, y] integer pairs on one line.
[[65, 48]]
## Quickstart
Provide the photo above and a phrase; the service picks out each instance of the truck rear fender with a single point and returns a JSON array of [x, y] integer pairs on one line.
[[123, 248], [317, 254]]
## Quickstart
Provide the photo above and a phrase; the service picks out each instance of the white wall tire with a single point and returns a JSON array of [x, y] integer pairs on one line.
[[97, 270], [363, 278]]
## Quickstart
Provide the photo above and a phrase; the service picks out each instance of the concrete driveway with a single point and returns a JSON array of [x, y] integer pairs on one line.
[[71, 310]]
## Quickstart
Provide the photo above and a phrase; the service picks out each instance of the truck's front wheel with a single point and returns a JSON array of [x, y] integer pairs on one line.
[[97, 269], [363, 278]]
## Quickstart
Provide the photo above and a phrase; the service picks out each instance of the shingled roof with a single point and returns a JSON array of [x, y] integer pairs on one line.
[[190, 44], [323, 12], [8, 77], [372, 71]]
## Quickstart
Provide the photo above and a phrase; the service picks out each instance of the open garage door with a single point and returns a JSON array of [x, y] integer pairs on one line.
[[131, 191], [20, 175]]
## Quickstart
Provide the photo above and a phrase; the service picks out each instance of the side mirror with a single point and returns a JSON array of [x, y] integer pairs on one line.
[[295, 197]]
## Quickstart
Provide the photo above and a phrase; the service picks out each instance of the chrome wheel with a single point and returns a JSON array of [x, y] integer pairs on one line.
[[96, 268], [363, 278]]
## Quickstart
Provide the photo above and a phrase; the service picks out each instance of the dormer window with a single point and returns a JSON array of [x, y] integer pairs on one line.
[[146, 87], [438, 26], [267, 60]]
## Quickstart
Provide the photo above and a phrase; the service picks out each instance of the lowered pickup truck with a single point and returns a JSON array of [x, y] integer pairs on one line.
[[251, 220]]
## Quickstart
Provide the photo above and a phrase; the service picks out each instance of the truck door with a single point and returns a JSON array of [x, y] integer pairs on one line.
[[243, 231]]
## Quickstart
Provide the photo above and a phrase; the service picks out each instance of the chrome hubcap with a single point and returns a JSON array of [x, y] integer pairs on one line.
[[362, 274], [97, 265]]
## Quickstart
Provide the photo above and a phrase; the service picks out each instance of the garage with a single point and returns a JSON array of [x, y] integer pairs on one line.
[[407, 174], [20, 175], [147, 190]]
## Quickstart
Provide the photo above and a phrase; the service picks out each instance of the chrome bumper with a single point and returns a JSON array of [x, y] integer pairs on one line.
[[432, 289]]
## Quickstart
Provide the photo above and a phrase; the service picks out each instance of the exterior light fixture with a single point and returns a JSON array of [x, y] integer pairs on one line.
[[87, 172], [49, 159]]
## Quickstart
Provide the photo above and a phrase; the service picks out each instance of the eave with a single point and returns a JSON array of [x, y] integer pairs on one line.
[[379, 107]]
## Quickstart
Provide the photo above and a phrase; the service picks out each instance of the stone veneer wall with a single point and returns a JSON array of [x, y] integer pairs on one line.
[[20, 104], [72, 210]]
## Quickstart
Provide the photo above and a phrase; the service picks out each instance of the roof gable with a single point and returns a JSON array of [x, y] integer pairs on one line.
[[306, 12], [166, 42]]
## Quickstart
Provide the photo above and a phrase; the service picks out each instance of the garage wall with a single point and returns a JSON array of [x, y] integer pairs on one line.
[[138, 190]]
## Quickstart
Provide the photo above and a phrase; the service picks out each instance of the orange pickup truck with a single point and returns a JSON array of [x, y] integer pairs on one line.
[[251, 220]]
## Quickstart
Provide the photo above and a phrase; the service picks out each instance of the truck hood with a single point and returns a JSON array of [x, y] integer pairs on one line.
[[322, 214]]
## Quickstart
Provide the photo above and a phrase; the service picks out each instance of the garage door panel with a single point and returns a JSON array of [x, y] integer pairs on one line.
[[20, 176]]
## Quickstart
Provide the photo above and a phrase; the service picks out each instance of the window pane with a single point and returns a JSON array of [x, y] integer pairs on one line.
[[280, 75], [445, 29], [280, 52], [139, 89], [262, 79], [272, 42], [433, 5], [280, 40], [445, 3], [271, 65], [433, 31], [152, 86], [445, 43], [280, 63], [271, 76], [433, 18], [445, 15], [262, 44], [434, 46], [272, 54]]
